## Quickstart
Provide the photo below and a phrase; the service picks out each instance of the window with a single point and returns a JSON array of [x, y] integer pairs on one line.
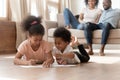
[[33, 9], [53, 9], [3, 9]]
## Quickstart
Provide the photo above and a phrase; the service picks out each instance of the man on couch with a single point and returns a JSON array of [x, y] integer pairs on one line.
[[108, 20]]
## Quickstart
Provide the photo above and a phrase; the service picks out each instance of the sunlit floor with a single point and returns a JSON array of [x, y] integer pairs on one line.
[[98, 68]]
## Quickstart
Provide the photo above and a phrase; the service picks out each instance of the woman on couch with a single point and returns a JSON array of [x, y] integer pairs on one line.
[[89, 14]]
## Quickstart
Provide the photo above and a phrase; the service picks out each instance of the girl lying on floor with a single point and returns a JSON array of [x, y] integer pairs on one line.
[[34, 50]]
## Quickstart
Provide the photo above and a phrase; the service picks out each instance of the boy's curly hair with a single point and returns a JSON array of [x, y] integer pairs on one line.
[[63, 33]]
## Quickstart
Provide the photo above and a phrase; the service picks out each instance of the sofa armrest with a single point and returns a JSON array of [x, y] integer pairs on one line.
[[51, 24]]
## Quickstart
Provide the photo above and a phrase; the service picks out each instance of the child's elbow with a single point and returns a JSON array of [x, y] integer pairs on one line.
[[15, 61], [52, 60]]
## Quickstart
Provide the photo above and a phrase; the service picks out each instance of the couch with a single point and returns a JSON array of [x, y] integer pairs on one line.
[[114, 37]]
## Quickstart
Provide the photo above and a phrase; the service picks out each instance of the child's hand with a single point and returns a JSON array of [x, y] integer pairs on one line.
[[58, 56], [49, 60], [60, 59], [47, 64], [62, 62], [32, 62]]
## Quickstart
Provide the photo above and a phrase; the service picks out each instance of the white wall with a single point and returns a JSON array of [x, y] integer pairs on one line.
[[116, 4]]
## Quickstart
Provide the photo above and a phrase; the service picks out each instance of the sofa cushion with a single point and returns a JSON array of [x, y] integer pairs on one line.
[[77, 33], [96, 34], [74, 32], [114, 33], [50, 32]]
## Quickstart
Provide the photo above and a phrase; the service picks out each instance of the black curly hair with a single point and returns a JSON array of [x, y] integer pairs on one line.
[[96, 4], [63, 33], [33, 25]]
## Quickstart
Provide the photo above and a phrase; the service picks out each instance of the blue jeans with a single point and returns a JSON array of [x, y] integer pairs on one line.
[[71, 20], [91, 27]]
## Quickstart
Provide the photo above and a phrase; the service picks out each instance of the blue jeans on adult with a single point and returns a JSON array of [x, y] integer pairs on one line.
[[91, 27], [71, 20]]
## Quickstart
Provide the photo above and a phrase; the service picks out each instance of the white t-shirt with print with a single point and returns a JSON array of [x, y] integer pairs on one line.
[[68, 49]]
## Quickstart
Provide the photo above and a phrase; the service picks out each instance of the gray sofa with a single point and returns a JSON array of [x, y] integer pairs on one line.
[[114, 37]]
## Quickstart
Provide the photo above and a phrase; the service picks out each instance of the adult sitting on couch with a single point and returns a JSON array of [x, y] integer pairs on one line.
[[108, 20], [89, 14]]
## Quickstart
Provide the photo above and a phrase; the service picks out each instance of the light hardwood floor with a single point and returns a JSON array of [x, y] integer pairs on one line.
[[98, 68]]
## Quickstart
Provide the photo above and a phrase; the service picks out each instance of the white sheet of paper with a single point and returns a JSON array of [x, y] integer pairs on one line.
[[40, 66]]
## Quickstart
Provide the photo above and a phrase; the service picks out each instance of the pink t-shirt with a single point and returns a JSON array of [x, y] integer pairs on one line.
[[26, 50]]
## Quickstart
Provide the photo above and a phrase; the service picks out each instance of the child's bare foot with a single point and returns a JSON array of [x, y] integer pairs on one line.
[[74, 41], [67, 27], [90, 52]]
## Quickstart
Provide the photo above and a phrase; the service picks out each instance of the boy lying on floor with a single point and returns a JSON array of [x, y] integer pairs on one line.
[[63, 52]]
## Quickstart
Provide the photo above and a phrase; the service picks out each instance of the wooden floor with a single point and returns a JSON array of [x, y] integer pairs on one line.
[[98, 68]]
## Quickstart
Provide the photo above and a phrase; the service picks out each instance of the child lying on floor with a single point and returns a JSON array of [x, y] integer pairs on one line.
[[63, 51], [34, 50]]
